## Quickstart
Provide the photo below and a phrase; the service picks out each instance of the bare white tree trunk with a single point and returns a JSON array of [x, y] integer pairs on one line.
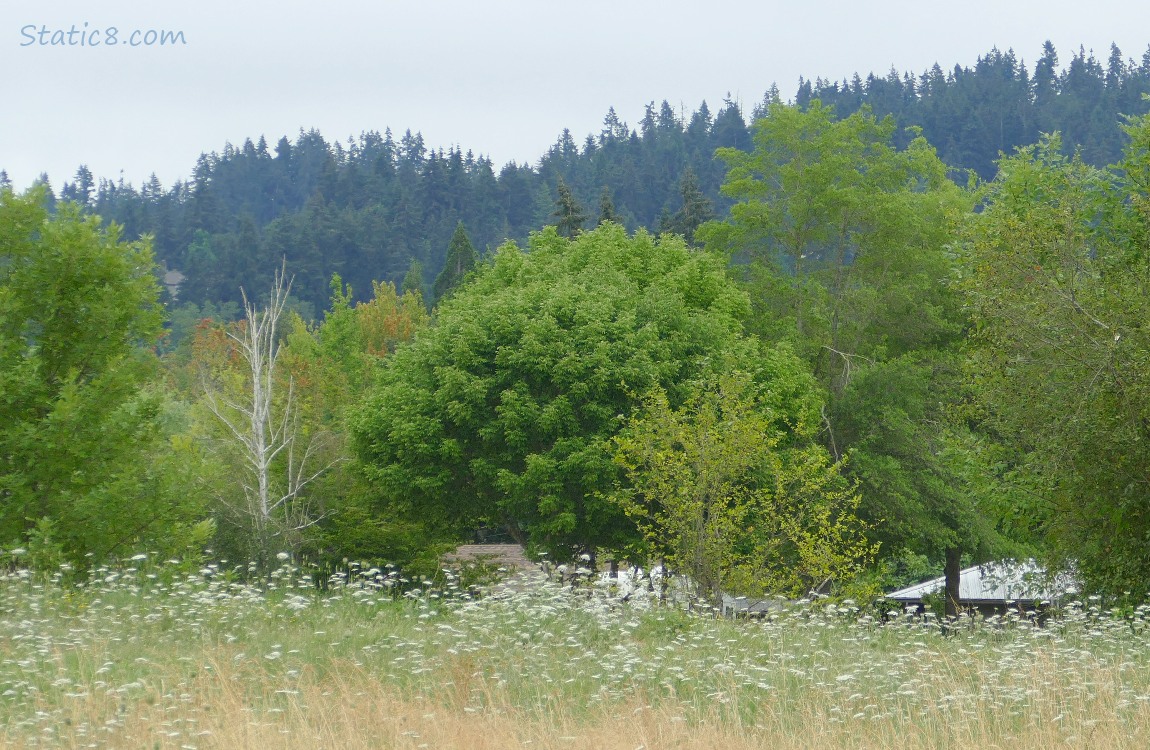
[[264, 430]]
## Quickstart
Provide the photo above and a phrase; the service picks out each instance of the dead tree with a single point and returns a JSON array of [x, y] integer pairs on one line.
[[264, 427]]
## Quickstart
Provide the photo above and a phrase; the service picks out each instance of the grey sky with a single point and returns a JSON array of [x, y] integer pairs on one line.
[[500, 77]]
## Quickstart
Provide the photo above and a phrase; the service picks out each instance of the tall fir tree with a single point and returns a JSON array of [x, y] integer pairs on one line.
[[413, 279], [697, 208], [461, 258], [568, 212], [607, 210]]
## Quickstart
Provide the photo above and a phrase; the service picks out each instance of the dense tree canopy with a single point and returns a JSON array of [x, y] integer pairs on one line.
[[502, 412], [77, 429], [967, 364], [732, 490], [843, 240], [1059, 282]]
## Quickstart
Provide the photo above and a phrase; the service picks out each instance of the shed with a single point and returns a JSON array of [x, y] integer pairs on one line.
[[994, 588]]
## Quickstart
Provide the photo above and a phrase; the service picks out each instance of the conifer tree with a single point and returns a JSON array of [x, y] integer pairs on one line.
[[461, 258], [696, 209], [607, 210], [413, 279], [85, 184], [568, 212]]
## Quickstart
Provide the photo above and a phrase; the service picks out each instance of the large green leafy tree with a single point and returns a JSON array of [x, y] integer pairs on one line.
[[503, 411], [1058, 278], [842, 238], [77, 433]]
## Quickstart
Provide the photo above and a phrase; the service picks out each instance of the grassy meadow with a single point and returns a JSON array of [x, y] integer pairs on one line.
[[171, 657]]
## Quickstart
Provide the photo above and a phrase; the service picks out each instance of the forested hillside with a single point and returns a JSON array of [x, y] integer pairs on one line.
[[367, 207], [973, 114]]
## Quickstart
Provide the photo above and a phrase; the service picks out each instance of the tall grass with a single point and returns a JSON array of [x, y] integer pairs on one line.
[[162, 657]]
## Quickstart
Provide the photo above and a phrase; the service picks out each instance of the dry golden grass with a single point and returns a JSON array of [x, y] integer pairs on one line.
[[350, 710]]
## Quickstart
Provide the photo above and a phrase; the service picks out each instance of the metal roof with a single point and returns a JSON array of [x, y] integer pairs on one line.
[[1000, 582]]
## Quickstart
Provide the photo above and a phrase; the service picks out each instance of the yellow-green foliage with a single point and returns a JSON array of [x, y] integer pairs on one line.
[[734, 492]]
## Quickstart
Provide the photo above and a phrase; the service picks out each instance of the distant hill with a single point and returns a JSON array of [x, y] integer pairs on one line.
[[367, 208]]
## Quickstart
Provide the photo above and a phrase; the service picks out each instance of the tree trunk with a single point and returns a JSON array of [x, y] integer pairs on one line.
[[952, 572], [515, 532], [265, 430]]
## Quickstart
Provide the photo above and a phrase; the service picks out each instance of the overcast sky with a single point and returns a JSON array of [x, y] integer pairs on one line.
[[500, 77]]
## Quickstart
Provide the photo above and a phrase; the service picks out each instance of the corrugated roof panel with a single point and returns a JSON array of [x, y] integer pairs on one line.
[[1005, 581]]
